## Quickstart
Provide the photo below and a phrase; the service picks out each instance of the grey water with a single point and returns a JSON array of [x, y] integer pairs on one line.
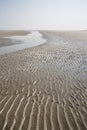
[[30, 40]]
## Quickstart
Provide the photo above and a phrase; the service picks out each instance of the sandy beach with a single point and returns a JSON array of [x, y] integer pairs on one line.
[[45, 87]]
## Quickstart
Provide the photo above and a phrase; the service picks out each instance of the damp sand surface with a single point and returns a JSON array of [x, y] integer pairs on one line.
[[17, 43], [6, 41], [7, 33], [45, 87]]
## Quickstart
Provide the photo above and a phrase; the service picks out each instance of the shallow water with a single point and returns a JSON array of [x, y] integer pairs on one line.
[[33, 39]]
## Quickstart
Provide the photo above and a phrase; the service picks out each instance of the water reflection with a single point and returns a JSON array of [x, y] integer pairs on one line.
[[33, 39]]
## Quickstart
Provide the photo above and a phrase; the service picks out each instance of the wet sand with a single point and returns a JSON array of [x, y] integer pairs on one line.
[[45, 87], [7, 33], [6, 41], [82, 35]]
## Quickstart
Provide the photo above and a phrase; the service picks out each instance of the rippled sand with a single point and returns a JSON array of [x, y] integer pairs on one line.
[[45, 87]]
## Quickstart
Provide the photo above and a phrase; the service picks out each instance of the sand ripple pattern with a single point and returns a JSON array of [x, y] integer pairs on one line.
[[44, 87]]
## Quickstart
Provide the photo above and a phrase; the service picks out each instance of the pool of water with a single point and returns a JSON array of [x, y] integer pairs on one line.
[[30, 40]]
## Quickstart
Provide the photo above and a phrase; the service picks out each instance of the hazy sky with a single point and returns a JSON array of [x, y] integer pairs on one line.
[[43, 14]]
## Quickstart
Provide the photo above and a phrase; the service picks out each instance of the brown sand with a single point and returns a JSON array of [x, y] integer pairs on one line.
[[13, 33], [7, 41], [44, 88], [70, 34]]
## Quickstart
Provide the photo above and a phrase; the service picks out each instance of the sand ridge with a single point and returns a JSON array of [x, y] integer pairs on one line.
[[44, 87]]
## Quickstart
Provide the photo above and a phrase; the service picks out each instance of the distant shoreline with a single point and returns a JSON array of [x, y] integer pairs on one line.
[[72, 34], [7, 33]]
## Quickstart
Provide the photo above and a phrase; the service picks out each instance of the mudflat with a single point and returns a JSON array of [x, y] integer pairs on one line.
[[82, 35], [45, 87], [6, 41], [7, 33]]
